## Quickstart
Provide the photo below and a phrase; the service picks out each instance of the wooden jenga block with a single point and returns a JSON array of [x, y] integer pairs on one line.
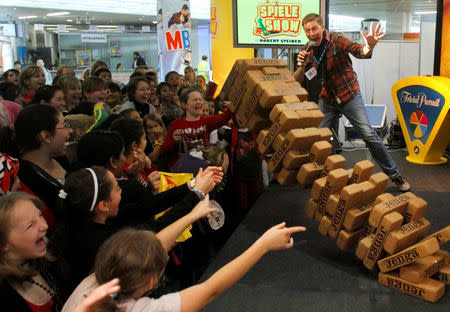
[[274, 91], [239, 69], [294, 106], [331, 163], [261, 136], [350, 196], [444, 274], [258, 122], [347, 239], [355, 218], [309, 118], [368, 193], [361, 172], [335, 182], [442, 236], [308, 173], [332, 203], [405, 236], [389, 223], [311, 208], [421, 269], [317, 188], [325, 134], [286, 121], [429, 290], [363, 247], [294, 160], [397, 203], [289, 99], [278, 141], [244, 89], [293, 140], [415, 209], [382, 198], [444, 254], [319, 152], [251, 107], [379, 181], [324, 225], [409, 255], [230, 79], [287, 176]]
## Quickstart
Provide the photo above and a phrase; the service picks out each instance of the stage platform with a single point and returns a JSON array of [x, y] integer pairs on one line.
[[315, 275]]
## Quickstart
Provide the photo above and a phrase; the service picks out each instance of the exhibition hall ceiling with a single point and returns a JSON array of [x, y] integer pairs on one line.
[[131, 14]]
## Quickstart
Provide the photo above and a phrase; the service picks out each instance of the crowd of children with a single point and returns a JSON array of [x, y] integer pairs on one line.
[[92, 217]]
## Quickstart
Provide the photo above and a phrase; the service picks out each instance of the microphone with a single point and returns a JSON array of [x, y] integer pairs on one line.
[[308, 46]]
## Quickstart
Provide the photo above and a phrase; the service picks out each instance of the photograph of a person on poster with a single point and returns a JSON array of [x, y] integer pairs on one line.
[[181, 18]]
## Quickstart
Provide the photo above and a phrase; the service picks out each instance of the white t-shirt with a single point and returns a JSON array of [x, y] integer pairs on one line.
[[167, 303]]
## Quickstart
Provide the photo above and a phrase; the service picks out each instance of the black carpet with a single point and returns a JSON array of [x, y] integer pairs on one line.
[[315, 275]]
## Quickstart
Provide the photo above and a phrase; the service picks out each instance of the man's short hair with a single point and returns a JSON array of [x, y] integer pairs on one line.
[[312, 17], [204, 57]]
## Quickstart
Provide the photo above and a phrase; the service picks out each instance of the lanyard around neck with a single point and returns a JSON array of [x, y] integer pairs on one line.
[[321, 55]]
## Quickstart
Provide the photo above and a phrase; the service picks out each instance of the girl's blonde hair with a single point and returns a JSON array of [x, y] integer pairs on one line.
[[7, 203], [26, 73], [213, 154], [134, 256]]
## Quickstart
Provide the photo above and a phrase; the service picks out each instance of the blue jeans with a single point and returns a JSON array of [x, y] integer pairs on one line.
[[356, 113]]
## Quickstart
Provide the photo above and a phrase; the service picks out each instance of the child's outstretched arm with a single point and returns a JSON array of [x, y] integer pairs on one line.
[[276, 238], [169, 234]]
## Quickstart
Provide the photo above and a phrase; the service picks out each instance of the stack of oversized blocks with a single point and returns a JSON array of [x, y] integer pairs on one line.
[[351, 207], [267, 99]]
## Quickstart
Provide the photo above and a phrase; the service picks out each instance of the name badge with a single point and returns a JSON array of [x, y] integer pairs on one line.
[[311, 73]]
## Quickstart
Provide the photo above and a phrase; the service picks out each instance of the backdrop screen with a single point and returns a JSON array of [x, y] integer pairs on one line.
[[271, 23]]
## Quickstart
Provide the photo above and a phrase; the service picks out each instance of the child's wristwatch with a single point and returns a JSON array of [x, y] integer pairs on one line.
[[202, 195]]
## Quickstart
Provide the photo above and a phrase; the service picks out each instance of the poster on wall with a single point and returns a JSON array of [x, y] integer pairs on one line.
[[259, 23], [445, 51], [84, 58], [174, 31], [115, 48]]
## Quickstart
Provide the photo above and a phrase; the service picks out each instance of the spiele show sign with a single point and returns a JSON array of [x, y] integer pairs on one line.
[[174, 35], [422, 104], [260, 22]]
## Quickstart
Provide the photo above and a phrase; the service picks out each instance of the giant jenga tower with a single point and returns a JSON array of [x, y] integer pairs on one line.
[[350, 205]]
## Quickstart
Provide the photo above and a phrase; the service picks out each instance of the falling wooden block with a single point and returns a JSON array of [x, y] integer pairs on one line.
[[278, 141], [444, 274], [335, 182], [311, 208], [409, 255], [422, 269], [294, 160], [308, 174], [389, 223], [442, 236], [363, 247], [332, 204], [397, 203], [347, 239], [274, 91], [332, 162], [324, 225], [317, 188], [361, 172], [379, 181], [407, 235], [293, 140], [287, 176], [319, 152], [286, 121], [415, 209], [295, 106], [350, 196], [429, 290]]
